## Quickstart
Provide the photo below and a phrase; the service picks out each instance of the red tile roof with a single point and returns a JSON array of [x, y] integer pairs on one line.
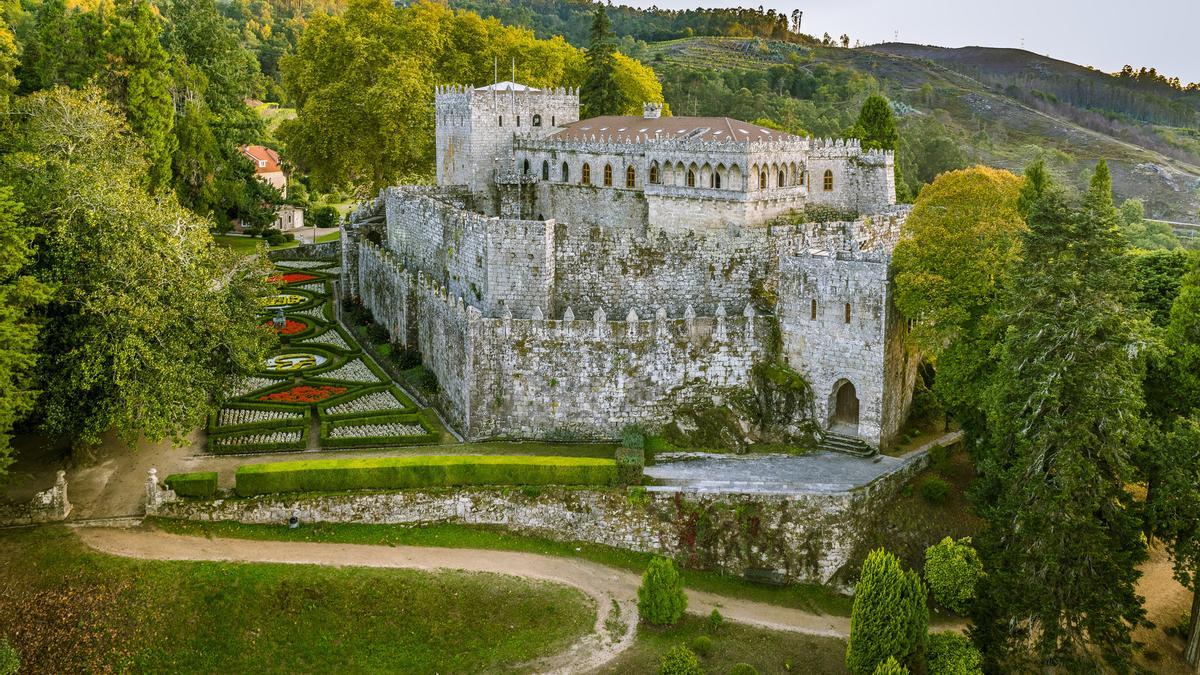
[[259, 154]]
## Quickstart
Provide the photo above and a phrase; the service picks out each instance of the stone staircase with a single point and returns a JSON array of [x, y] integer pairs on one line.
[[848, 445]]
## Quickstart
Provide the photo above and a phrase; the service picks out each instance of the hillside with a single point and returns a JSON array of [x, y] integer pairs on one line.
[[964, 93]]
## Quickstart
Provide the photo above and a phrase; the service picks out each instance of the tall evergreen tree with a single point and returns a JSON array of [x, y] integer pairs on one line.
[[1175, 510], [139, 77], [1062, 541], [889, 618], [599, 94], [876, 128]]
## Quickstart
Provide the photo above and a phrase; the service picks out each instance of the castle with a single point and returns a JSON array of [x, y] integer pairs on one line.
[[570, 277]]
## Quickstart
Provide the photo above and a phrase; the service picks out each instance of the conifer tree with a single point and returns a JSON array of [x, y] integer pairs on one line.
[[889, 618], [1175, 508], [1062, 542], [661, 600], [599, 94], [876, 129]]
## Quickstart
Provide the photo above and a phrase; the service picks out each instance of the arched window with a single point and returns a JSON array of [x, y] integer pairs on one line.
[[828, 180], [608, 175], [586, 178], [525, 167], [537, 120], [762, 180], [716, 180], [782, 179], [545, 170], [566, 172], [847, 312], [654, 174], [813, 315], [801, 178], [691, 178], [630, 177]]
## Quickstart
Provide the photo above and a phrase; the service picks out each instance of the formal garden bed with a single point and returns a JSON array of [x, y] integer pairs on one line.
[[319, 371]]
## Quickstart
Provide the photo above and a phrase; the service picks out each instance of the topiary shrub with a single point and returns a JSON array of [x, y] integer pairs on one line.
[[890, 667], [633, 437], [743, 669], [889, 617], [630, 466], [934, 490], [10, 660], [661, 600], [702, 645], [276, 239], [680, 661], [200, 485], [715, 621], [953, 570], [953, 654]]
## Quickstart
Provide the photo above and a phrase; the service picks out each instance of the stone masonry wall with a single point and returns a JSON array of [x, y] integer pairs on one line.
[[802, 538]]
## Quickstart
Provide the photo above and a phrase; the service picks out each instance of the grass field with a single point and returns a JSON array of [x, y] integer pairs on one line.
[[69, 609], [808, 597], [250, 244]]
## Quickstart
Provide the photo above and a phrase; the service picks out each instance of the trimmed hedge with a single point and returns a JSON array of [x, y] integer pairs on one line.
[[430, 436], [332, 360], [630, 465], [215, 449], [201, 485], [397, 473], [294, 408]]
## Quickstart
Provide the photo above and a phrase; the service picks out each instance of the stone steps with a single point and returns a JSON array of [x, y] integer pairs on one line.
[[848, 445]]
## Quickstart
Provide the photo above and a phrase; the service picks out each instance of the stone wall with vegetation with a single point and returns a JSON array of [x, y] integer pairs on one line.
[[798, 538]]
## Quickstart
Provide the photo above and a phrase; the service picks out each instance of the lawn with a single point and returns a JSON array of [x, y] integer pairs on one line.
[[767, 651], [73, 610], [809, 597], [250, 244]]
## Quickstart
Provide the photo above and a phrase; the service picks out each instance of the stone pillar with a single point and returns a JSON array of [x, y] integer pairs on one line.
[[156, 496], [51, 505]]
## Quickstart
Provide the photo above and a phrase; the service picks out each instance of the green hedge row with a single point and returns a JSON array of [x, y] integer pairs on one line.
[[429, 436], [324, 406], [216, 448], [201, 485], [214, 428], [631, 462], [397, 473], [332, 360]]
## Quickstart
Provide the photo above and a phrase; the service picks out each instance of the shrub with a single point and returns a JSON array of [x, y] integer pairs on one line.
[[743, 669], [378, 334], [890, 667], [324, 216], [702, 645], [680, 661], [201, 485], [10, 659], [661, 600], [275, 239], [889, 617], [715, 621], [633, 437], [398, 473], [630, 465], [953, 654], [934, 490], [953, 570]]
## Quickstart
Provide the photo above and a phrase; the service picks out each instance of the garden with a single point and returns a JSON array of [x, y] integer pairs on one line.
[[317, 382]]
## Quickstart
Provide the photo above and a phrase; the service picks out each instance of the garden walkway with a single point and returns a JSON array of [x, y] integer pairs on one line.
[[605, 585]]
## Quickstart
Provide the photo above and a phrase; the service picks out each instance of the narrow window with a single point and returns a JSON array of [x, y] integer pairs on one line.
[[654, 174], [608, 175], [545, 170], [801, 178], [828, 180], [782, 180], [525, 165], [566, 172], [518, 120], [537, 120], [691, 178], [630, 176], [847, 312], [814, 309], [501, 123], [717, 180], [586, 178], [762, 180], [552, 120]]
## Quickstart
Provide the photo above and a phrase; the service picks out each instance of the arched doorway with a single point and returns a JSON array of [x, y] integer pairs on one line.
[[843, 407]]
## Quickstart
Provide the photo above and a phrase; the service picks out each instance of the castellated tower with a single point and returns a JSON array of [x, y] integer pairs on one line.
[[475, 127], [845, 176]]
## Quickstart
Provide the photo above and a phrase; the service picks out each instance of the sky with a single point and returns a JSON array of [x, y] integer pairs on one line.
[[1106, 34]]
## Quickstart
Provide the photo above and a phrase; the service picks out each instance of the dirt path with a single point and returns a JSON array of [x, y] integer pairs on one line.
[[605, 585]]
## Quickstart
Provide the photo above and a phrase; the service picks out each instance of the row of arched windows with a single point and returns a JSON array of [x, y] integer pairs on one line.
[[691, 176]]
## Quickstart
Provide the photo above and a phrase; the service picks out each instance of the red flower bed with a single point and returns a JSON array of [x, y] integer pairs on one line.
[[290, 327], [289, 278], [303, 393]]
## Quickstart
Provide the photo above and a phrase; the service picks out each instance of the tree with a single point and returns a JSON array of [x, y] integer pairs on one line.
[[876, 129], [600, 94], [139, 77], [1142, 233], [952, 571], [149, 319], [680, 660], [1183, 341], [20, 294], [889, 617], [636, 85], [661, 600], [196, 158], [890, 667], [1062, 538], [9, 61], [953, 654], [1175, 508]]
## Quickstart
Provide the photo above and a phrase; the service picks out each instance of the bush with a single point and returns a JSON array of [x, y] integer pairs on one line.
[[378, 334], [715, 621], [702, 645], [889, 617], [10, 660], [680, 661], [743, 669], [633, 437], [200, 485], [934, 490], [398, 473], [275, 239], [891, 667], [953, 570], [630, 465], [324, 216], [953, 654], [661, 600]]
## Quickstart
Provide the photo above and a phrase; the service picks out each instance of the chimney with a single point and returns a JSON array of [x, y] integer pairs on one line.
[[651, 111]]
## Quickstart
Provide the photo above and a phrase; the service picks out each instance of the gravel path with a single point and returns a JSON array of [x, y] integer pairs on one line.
[[601, 583]]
